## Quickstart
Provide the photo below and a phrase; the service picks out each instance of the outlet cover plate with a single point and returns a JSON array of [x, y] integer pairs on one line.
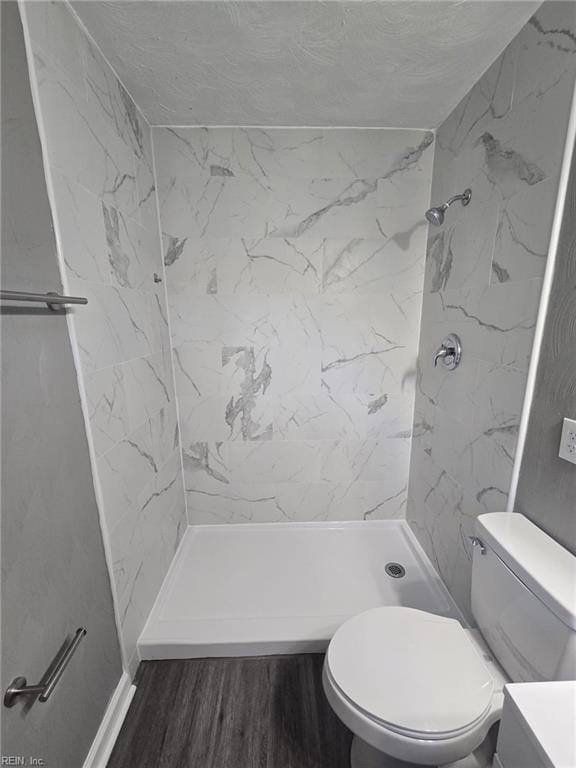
[[568, 441]]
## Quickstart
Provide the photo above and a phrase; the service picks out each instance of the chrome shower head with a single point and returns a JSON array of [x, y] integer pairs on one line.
[[436, 215]]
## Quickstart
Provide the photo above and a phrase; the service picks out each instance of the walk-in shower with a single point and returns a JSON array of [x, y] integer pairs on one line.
[[436, 215]]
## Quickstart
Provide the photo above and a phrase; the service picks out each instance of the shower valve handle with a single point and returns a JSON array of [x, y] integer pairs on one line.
[[442, 354], [450, 352]]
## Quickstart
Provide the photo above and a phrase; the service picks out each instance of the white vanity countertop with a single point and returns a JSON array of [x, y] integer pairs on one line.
[[548, 711]]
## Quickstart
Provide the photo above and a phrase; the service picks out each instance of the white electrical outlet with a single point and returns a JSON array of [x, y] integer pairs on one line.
[[568, 441]]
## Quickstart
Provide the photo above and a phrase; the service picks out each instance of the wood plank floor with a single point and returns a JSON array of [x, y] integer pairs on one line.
[[267, 712]]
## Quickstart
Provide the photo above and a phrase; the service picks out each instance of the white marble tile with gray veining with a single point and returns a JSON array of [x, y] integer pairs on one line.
[[443, 527], [393, 267], [381, 460], [199, 321], [293, 207], [54, 33], [292, 153], [134, 462], [498, 396], [148, 386], [205, 466], [498, 321], [523, 234], [146, 181], [234, 503], [294, 502], [113, 102], [246, 379], [342, 501], [283, 330], [483, 281], [80, 144], [203, 418], [107, 407], [156, 518], [123, 471], [117, 324], [476, 456], [389, 368], [473, 437], [82, 233], [193, 262], [356, 323], [422, 430], [272, 462], [295, 367], [160, 314], [488, 102], [547, 47], [325, 208], [545, 72], [198, 369], [385, 154], [143, 544], [233, 152], [269, 207], [133, 251], [197, 207], [508, 168], [270, 265], [249, 320], [116, 108], [388, 415], [244, 265], [100, 243], [313, 244], [368, 347], [325, 416], [460, 253]]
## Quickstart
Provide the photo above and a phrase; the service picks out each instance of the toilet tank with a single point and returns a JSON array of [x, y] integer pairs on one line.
[[524, 598]]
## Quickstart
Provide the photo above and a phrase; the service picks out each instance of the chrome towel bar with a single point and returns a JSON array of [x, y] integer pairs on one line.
[[50, 299], [18, 686]]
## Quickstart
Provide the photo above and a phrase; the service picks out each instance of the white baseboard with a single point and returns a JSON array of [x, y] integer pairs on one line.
[[111, 723], [134, 662]]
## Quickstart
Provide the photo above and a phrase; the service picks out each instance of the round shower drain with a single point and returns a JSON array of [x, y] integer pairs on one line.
[[395, 570]]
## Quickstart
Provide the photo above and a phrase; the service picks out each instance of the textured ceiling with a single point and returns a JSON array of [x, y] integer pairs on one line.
[[361, 63]]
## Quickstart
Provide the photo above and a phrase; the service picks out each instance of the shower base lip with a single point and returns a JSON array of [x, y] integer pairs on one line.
[[280, 588]]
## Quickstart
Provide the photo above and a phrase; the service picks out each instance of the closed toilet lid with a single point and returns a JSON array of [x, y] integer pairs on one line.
[[414, 671]]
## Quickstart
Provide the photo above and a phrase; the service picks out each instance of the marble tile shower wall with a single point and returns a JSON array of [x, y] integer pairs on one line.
[[484, 275], [295, 265], [100, 164]]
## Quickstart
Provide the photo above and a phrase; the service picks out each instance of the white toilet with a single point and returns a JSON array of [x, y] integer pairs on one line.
[[420, 688]]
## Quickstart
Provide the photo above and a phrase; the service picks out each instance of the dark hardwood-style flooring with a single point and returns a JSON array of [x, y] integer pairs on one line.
[[267, 712]]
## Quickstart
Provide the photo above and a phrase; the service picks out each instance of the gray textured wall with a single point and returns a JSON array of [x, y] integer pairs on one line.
[[547, 487], [54, 576]]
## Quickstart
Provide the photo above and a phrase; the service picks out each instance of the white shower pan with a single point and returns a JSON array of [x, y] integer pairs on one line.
[[278, 588]]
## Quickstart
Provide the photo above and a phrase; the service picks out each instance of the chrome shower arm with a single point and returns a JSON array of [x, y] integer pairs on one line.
[[465, 197], [435, 215]]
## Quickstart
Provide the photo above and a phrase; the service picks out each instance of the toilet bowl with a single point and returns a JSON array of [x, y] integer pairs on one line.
[[442, 692], [422, 689]]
